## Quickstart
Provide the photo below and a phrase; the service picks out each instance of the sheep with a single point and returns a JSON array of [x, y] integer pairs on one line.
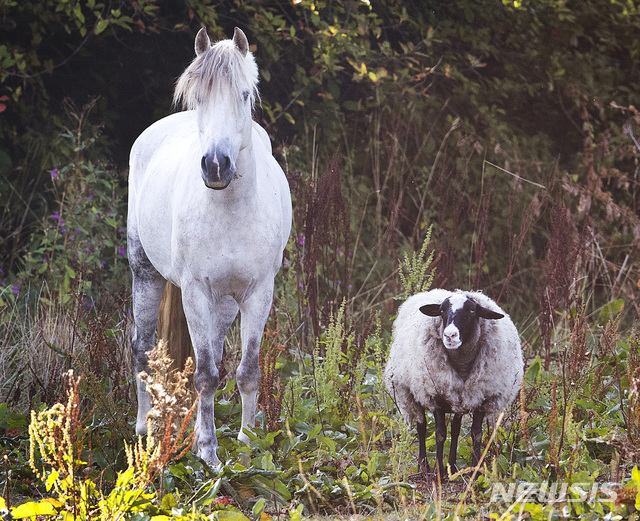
[[452, 352]]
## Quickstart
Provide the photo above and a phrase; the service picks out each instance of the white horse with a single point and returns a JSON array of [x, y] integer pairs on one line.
[[209, 211]]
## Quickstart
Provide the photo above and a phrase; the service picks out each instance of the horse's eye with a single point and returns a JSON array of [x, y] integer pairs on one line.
[[245, 95]]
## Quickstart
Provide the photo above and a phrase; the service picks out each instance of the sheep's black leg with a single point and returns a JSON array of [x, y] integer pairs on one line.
[[476, 435], [423, 464], [453, 449], [441, 435]]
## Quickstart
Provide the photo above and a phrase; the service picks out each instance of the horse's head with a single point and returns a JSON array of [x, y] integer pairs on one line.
[[221, 85]]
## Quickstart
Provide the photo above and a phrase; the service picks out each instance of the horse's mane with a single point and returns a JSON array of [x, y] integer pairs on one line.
[[221, 68]]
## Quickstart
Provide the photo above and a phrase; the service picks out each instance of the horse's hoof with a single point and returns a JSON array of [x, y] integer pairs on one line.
[[213, 462], [243, 438], [208, 452], [141, 428]]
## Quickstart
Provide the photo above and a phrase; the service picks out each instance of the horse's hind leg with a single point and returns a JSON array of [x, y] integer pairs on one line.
[[147, 289], [254, 314]]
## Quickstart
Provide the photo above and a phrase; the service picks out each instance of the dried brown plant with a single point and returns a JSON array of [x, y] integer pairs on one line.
[[326, 241], [172, 408], [59, 435], [564, 250], [271, 386], [633, 376], [171, 396], [554, 450]]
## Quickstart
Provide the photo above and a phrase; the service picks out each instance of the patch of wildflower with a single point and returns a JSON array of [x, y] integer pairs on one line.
[[172, 407]]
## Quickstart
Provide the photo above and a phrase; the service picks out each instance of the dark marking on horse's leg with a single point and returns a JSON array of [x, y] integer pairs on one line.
[[207, 345], [147, 289], [208, 324], [254, 313], [441, 436], [453, 449], [248, 380], [206, 381], [476, 435]]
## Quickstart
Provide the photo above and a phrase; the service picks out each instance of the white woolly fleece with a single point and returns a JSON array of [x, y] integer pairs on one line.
[[418, 370]]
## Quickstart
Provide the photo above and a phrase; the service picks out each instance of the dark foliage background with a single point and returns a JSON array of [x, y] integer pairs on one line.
[[484, 118], [505, 131]]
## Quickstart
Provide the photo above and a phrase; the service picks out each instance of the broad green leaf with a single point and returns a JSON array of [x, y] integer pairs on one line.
[[258, 507], [33, 509], [229, 515], [533, 371], [168, 502], [611, 310]]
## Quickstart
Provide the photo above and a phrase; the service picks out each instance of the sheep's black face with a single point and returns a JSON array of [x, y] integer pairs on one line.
[[460, 317]]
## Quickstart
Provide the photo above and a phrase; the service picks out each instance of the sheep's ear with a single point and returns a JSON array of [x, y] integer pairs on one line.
[[240, 39], [483, 312], [202, 42], [431, 310]]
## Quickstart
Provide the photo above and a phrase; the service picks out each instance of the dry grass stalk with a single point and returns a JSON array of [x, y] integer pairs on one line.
[[59, 435], [271, 387], [172, 408]]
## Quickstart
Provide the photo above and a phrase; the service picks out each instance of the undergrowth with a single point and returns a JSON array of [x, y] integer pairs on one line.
[[329, 439], [382, 221]]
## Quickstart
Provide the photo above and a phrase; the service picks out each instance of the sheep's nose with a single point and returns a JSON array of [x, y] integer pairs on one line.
[[452, 335]]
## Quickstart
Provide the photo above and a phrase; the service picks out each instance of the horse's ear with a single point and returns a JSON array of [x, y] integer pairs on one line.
[[202, 42], [241, 41]]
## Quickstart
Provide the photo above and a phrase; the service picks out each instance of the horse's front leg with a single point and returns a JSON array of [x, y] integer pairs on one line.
[[254, 312], [208, 323]]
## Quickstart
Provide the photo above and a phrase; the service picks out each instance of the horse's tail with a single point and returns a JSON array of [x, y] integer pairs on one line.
[[172, 326]]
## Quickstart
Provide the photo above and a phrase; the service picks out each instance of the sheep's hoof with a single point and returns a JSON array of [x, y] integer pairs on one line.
[[423, 467]]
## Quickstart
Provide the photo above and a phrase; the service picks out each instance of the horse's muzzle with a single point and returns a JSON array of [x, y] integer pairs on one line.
[[217, 171]]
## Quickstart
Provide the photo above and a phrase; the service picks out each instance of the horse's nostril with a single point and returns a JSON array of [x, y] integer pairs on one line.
[[227, 163], [203, 163]]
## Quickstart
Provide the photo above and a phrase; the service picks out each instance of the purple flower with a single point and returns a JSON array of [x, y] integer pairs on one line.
[[56, 215], [302, 240], [16, 289], [45, 260], [78, 230], [102, 264], [90, 196], [121, 230], [54, 173], [121, 250]]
